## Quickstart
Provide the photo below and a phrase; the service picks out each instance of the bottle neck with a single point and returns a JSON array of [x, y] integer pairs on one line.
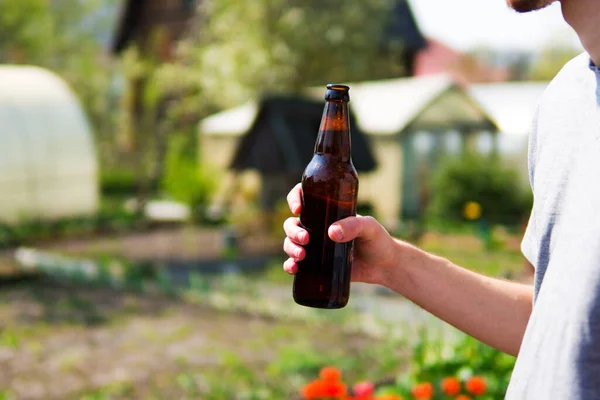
[[334, 132]]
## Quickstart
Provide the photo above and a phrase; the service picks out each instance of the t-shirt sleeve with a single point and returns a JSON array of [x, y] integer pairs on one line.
[[530, 243]]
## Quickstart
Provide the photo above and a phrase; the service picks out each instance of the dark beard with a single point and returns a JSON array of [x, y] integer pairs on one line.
[[524, 6]]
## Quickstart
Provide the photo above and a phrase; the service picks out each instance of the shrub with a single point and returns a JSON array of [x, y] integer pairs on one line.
[[475, 186], [118, 182], [185, 181]]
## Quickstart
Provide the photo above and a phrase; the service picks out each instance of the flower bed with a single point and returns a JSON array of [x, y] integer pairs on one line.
[[468, 370]]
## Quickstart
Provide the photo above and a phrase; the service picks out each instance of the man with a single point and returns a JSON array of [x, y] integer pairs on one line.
[[553, 327]]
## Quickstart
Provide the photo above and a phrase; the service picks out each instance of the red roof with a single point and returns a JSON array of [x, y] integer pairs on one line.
[[439, 58], [436, 58]]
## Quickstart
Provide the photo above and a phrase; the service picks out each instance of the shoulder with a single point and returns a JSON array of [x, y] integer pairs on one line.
[[571, 76], [562, 98]]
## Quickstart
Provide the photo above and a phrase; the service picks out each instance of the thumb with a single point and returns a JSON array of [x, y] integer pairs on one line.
[[350, 228]]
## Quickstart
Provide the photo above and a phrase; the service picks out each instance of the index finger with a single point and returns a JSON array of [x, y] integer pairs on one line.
[[294, 199]]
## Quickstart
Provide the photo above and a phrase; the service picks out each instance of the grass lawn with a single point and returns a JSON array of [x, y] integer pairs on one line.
[[61, 341], [468, 251], [67, 342]]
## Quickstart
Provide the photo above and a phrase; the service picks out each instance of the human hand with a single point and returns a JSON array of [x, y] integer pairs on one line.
[[374, 248]]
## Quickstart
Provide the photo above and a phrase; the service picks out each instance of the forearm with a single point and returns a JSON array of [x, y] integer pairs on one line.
[[492, 310]]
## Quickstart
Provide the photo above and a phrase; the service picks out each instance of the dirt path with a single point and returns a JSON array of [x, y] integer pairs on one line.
[[183, 243], [57, 342]]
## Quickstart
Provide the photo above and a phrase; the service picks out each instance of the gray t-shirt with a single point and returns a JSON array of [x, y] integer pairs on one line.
[[560, 353]]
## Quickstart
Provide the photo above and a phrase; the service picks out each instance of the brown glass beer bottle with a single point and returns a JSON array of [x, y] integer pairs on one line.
[[329, 190]]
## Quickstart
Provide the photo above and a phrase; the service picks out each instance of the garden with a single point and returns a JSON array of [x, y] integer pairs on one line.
[[119, 305], [105, 329]]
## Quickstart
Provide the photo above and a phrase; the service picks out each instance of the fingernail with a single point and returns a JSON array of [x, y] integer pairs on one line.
[[297, 253], [336, 232], [302, 237], [295, 206]]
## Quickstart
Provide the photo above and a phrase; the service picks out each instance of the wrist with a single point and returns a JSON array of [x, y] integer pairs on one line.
[[403, 269]]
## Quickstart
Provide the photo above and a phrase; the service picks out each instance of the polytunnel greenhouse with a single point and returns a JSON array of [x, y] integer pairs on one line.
[[48, 165]]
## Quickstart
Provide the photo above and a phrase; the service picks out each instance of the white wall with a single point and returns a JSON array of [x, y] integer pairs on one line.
[[383, 187]]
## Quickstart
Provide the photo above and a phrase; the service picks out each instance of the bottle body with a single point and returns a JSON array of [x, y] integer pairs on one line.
[[329, 190]]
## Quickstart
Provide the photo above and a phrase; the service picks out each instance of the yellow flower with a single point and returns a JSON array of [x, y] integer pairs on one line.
[[472, 210]]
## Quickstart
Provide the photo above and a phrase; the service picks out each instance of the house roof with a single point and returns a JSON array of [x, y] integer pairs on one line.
[[133, 11], [512, 105], [403, 25], [129, 18], [283, 134], [386, 107], [438, 58], [435, 58]]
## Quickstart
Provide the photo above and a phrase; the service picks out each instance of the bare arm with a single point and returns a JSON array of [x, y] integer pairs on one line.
[[494, 311]]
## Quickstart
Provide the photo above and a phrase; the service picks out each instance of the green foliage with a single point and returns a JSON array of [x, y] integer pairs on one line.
[[244, 48], [483, 180], [63, 36], [9, 339], [118, 182], [184, 180], [236, 51], [22, 25], [6, 395], [550, 61], [276, 358], [434, 360], [108, 219]]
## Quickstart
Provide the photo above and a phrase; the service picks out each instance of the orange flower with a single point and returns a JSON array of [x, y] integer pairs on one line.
[[389, 397], [333, 389], [462, 397], [330, 374], [423, 391], [476, 385], [450, 386], [313, 390]]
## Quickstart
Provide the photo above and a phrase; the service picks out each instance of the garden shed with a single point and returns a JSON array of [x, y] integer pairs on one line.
[[411, 125], [48, 166], [274, 137]]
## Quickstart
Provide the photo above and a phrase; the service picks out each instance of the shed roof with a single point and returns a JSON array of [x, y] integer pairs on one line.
[[511, 104], [233, 122], [403, 25], [133, 12], [385, 107], [283, 134]]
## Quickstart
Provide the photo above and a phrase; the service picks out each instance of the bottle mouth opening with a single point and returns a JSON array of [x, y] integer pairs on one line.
[[335, 86], [337, 92]]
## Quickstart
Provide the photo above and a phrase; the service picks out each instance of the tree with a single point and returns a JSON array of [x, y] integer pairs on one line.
[[243, 48], [238, 50], [550, 61], [23, 25], [65, 37]]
